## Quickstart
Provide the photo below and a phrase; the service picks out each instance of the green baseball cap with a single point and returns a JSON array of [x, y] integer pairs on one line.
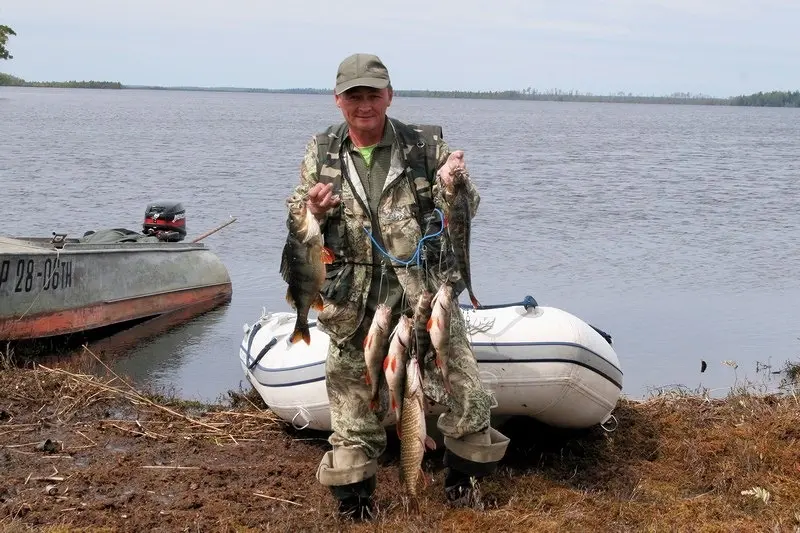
[[361, 70]]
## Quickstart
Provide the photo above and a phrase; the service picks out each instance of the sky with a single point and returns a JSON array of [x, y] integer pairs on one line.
[[649, 47]]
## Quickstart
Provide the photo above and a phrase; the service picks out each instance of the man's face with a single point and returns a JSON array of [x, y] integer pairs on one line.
[[364, 108]]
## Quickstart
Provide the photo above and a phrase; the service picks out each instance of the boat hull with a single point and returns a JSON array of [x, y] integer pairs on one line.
[[540, 362], [47, 291]]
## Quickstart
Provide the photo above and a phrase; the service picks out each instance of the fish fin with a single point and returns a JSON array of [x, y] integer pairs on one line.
[[286, 260], [475, 303], [318, 304], [426, 479], [447, 386], [430, 443], [385, 363], [438, 361], [367, 341], [373, 404], [289, 299], [367, 379], [327, 255], [393, 364], [430, 324], [399, 432]]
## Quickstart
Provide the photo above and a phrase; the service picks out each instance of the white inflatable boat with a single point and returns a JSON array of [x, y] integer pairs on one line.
[[537, 361]]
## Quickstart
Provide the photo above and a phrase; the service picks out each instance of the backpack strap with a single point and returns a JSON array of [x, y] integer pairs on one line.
[[419, 143], [329, 170]]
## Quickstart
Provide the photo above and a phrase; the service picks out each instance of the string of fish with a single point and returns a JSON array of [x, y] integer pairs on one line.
[[416, 257]]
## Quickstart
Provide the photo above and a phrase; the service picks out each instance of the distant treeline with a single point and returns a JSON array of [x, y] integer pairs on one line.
[[556, 95], [762, 99], [8, 80], [770, 99]]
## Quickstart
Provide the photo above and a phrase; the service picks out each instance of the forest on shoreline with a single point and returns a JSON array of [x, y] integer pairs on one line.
[[759, 99]]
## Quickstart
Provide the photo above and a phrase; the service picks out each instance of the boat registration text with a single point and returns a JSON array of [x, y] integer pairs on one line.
[[25, 275]]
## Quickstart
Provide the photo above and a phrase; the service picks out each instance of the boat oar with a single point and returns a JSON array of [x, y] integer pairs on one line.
[[211, 232]]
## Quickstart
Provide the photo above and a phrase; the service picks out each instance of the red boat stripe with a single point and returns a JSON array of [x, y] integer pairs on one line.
[[103, 314]]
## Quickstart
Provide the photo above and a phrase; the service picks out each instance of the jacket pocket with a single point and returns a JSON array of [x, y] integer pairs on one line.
[[400, 230]]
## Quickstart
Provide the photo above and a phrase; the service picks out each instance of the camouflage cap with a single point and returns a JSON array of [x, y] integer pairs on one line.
[[361, 70]]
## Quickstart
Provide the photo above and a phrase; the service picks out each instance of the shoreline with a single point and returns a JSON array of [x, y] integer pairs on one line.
[[760, 99]]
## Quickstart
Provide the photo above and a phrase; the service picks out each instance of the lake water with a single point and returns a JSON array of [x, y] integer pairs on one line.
[[674, 228]]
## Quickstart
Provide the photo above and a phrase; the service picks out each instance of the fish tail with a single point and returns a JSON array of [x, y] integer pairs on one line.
[[373, 404], [300, 331]]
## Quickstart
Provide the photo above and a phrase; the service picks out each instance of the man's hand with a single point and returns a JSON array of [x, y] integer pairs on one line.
[[320, 199], [454, 161]]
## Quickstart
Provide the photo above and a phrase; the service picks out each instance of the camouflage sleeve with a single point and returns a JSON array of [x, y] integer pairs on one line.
[[440, 196], [308, 176]]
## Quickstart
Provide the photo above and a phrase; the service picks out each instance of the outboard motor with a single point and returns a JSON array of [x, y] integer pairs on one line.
[[165, 220]]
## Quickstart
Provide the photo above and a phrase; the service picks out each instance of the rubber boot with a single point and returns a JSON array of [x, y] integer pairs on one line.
[[350, 475], [467, 460], [355, 500]]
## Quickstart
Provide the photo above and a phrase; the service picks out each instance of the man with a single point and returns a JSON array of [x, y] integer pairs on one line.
[[374, 183]]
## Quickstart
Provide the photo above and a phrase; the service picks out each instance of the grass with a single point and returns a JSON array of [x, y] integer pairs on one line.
[[679, 460]]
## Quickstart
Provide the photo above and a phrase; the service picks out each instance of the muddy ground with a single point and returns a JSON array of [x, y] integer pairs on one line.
[[81, 452]]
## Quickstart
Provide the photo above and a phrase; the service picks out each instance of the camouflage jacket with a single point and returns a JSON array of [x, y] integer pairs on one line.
[[348, 279]]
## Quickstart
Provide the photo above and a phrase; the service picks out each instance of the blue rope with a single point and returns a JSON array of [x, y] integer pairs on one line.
[[416, 256]]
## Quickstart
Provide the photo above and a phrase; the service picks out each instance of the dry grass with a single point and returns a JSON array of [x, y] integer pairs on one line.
[[675, 462], [78, 393]]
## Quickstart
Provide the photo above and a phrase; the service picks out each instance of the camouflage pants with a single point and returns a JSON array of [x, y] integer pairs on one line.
[[354, 424]]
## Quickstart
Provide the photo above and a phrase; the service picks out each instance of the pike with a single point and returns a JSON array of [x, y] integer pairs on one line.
[[375, 349], [459, 227], [394, 366], [303, 268], [414, 438], [439, 329]]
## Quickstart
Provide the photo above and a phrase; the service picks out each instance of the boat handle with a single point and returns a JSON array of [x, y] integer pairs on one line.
[[529, 302], [604, 422], [262, 353], [301, 411]]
